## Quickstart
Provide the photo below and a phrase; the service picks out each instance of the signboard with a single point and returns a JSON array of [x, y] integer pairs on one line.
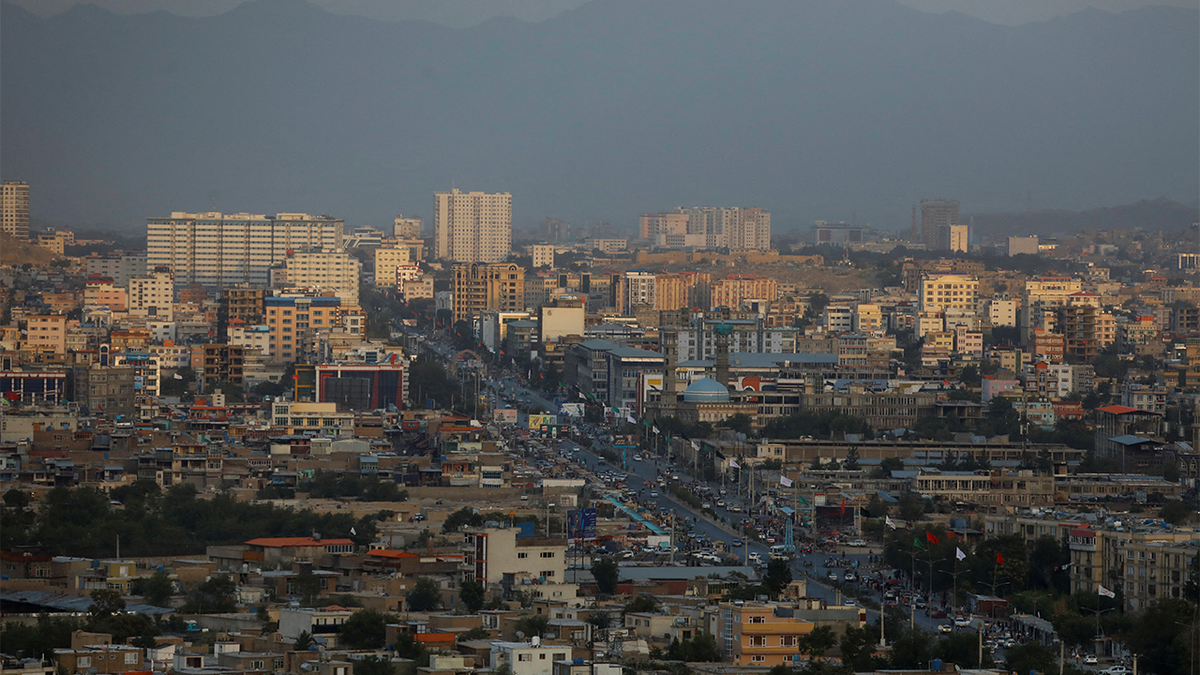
[[538, 421], [554, 431], [571, 409], [581, 523], [505, 415]]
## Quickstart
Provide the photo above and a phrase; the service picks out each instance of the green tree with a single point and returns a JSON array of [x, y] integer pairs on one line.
[[365, 629], [740, 423], [476, 633], [820, 640], [911, 507], [303, 641], [473, 595], [106, 602], [607, 574], [215, 596], [778, 576], [702, 648], [851, 463], [910, 651], [158, 589], [1029, 657], [16, 499], [465, 516], [533, 624], [1177, 512], [887, 466], [961, 649], [642, 603], [374, 665], [424, 596], [308, 587]]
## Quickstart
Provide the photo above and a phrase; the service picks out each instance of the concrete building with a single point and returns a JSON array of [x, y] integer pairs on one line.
[[387, 261], [404, 227], [949, 291], [760, 634], [219, 363], [118, 267], [472, 227], [638, 288], [561, 318], [543, 255], [46, 332], [733, 290], [709, 227], [153, 295], [492, 553], [868, 319], [14, 209], [479, 287], [988, 488], [326, 270], [528, 658], [1022, 245], [956, 238], [217, 250], [294, 321], [102, 292], [1002, 312], [935, 215], [838, 318]]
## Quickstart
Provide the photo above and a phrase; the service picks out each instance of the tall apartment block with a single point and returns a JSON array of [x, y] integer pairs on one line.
[[14, 209], [479, 287], [936, 214], [336, 271], [472, 227], [709, 227], [406, 228], [217, 250]]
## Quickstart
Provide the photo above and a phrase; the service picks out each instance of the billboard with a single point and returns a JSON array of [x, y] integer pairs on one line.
[[505, 415], [538, 421], [571, 409], [581, 524]]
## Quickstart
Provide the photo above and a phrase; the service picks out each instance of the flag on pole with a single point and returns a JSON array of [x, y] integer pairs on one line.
[[999, 558], [785, 481], [353, 531], [1106, 593], [695, 446], [932, 538], [917, 543], [950, 534], [958, 553], [802, 499], [887, 520], [843, 506], [178, 376], [655, 430], [582, 396], [1065, 567], [734, 464]]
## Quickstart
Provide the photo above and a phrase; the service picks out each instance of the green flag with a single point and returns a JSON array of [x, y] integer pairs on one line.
[[645, 422], [802, 500], [917, 543]]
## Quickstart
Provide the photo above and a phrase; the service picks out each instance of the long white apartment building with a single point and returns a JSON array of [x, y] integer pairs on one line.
[[472, 226], [333, 270], [709, 227], [216, 250]]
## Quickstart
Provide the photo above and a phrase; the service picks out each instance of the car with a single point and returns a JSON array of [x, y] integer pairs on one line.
[[848, 576], [945, 628], [736, 508], [705, 506], [654, 493], [637, 458], [1091, 659], [832, 576], [720, 502], [962, 622], [1115, 670], [858, 543], [847, 602]]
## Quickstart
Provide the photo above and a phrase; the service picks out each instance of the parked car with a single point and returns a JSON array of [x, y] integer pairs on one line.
[[1115, 670], [945, 628], [1090, 659]]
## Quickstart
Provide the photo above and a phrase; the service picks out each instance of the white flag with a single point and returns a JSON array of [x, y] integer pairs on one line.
[[785, 481], [695, 446], [734, 464], [958, 553], [582, 396], [353, 531], [1107, 593], [629, 418], [889, 522], [178, 376], [655, 429]]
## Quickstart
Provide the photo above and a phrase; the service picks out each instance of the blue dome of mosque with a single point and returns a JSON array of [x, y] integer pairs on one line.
[[705, 390]]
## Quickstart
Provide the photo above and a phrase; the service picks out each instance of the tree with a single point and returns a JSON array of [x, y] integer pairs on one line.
[[464, 516], [308, 587], [887, 466], [106, 602], [17, 499], [778, 576], [1176, 512], [473, 595], [781, 669], [642, 603], [1029, 657], [740, 423], [961, 649], [599, 621], [158, 588], [912, 508], [215, 596], [851, 463], [374, 665], [607, 574], [424, 596], [476, 633], [365, 629], [819, 641], [910, 651], [303, 641], [533, 624], [702, 648]]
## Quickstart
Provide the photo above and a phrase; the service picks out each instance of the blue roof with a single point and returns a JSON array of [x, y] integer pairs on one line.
[[706, 389], [1130, 439]]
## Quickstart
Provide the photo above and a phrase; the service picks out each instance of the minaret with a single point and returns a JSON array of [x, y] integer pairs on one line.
[[722, 331]]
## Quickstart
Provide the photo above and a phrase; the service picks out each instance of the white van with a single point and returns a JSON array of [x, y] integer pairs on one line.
[[780, 551]]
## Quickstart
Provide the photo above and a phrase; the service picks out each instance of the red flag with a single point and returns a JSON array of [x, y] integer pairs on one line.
[[843, 506], [999, 558], [931, 538]]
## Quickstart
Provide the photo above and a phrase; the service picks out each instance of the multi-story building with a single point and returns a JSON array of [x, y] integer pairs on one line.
[[362, 386], [671, 291], [416, 289], [109, 390], [1050, 347], [760, 634], [949, 291], [326, 270], [102, 292], [1050, 289], [153, 295], [868, 319], [244, 304], [709, 226], [662, 227], [638, 288], [838, 318], [479, 287], [1002, 312], [387, 261], [988, 488], [146, 370], [219, 363], [732, 290], [1086, 331], [118, 267], [406, 227], [1023, 245], [955, 238], [46, 332], [935, 215], [102, 659], [543, 255], [472, 227], [217, 250], [295, 320], [14, 209], [491, 553]]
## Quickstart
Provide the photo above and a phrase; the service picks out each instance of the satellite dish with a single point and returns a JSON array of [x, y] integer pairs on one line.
[[520, 635]]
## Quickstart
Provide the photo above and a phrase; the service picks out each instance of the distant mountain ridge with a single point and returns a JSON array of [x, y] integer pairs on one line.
[[814, 110], [1154, 214]]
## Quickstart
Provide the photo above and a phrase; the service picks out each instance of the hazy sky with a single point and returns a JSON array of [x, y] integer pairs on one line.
[[468, 12]]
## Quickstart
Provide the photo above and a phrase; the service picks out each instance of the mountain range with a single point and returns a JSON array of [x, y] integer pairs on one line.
[[848, 110]]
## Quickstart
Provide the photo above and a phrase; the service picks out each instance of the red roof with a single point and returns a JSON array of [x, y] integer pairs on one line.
[[1120, 409], [434, 637], [285, 542]]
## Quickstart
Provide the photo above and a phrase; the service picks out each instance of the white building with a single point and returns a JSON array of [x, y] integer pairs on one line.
[[472, 226], [387, 261], [528, 658], [543, 255], [491, 553], [119, 268], [152, 296], [216, 250], [1002, 312], [639, 290], [14, 209], [337, 271], [946, 291], [561, 318], [838, 318], [406, 228], [251, 337]]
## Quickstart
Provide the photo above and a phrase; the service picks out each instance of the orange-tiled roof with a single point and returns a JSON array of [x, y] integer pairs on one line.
[[284, 542], [387, 553], [1119, 409], [427, 638]]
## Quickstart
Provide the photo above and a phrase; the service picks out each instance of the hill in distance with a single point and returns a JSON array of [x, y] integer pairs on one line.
[[1157, 214]]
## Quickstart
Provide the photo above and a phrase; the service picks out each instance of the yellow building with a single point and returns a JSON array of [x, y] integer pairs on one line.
[[759, 634], [671, 291], [332, 270], [868, 318], [47, 332], [949, 291], [481, 286], [387, 260], [731, 291]]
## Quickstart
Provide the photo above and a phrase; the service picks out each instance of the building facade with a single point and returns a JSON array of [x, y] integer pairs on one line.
[[479, 287], [472, 227], [14, 209]]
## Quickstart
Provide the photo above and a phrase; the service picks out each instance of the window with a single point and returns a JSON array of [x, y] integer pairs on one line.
[[522, 555], [83, 662], [256, 665], [131, 658], [525, 657], [547, 554]]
